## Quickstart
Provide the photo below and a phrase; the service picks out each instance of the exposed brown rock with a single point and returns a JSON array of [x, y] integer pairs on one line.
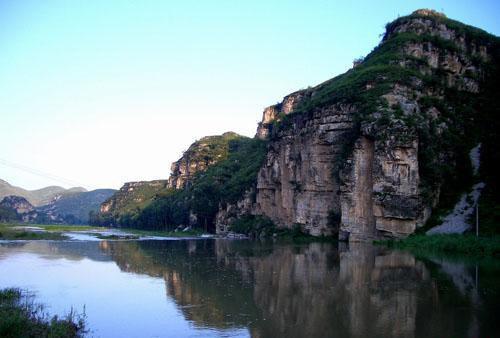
[[377, 191]]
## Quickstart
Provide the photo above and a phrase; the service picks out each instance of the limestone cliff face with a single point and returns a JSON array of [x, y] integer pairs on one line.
[[22, 210], [296, 183], [274, 113], [346, 156]]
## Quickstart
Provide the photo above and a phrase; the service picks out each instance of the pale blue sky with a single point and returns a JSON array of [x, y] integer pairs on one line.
[[104, 92]]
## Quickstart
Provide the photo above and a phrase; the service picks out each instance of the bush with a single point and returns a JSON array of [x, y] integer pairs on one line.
[[449, 243], [20, 316], [254, 226]]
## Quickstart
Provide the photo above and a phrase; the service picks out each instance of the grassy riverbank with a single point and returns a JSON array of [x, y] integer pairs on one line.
[[20, 316], [56, 232], [164, 233], [15, 232], [449, 244]]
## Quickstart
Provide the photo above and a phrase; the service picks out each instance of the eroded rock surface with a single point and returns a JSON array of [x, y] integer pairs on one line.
[[355, 168]]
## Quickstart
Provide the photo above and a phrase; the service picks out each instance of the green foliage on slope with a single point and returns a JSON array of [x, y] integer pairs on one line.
[[223, 182], [75, 208], [210, 148], [134, 199], [449, 243]]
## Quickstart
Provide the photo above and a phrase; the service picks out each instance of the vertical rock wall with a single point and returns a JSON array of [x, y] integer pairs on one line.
[[357, 192], [348, 162], [297, 184]]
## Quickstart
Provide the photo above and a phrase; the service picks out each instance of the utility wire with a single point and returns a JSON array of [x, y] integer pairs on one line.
[[40, 173]]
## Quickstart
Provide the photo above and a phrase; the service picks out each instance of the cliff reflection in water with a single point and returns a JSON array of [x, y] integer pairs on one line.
[[315, 290]]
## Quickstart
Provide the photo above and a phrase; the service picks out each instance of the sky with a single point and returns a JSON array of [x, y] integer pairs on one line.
[[98, 93]]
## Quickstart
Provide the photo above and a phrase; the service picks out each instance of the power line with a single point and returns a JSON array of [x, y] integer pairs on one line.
[[40, 173]]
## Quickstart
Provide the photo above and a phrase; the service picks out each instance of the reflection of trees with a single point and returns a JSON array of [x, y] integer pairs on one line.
[[293, 291], [205, 292], [313, 290]]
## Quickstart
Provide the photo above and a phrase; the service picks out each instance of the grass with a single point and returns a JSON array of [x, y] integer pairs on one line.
[[59, 227], [12, 232], [54, 232], [164, 233], [20, 316], [469, 245]]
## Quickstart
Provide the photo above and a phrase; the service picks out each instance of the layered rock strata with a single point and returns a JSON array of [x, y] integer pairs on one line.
[[336, 166]]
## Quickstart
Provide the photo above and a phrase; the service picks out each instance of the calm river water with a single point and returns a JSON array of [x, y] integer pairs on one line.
[[223, 288]]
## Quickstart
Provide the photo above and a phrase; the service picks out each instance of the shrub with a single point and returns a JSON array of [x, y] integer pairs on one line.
[[20, 316]]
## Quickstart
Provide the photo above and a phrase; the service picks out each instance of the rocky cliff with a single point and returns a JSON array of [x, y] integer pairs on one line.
[[19, 204], [18, 209], [369, 153], [201, 154]]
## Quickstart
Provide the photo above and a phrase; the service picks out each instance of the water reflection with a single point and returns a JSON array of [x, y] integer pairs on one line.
[[314, 290]]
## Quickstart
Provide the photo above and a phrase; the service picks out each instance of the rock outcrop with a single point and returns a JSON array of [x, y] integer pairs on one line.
[[18, 203], [363, 154], [274, 113], [18, 209], [199, 156]]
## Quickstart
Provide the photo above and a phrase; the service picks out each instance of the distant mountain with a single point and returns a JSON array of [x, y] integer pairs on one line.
[[13, 208], [74, 208], [18, 209], [51, 204], [36, 197]]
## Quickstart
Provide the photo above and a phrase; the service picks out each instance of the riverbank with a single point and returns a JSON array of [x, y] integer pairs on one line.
[[165, 233], [18, 232], [63, 232], [68, 232], [21, 316], [448, 244]]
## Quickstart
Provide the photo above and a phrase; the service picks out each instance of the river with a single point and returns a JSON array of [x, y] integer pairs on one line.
[[239, 288]]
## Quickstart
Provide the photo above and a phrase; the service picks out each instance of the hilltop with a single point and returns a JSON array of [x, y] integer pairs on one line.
[[379, 151]]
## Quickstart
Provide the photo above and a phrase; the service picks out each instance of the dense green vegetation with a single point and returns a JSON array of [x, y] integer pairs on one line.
[[210, 148], [223, 182], [449, 244], [20, 316], [262, 227], [75, 208], [253, 226], [8, 214], [128, 200]]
